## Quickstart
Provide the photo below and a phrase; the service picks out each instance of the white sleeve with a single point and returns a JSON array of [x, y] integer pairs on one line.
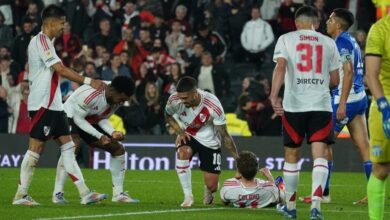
[[244, 41], [269, 36], [335, 58], [218, 114], [80, 111], [280, 49], [171, 107], [46, 51], [106, 126]]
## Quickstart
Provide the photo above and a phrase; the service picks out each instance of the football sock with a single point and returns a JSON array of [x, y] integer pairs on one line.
[[376, 198], [319, 175], [61, 176], [291, 178], [367, 168], [330, 168], [72, 168], [27, 168], [184, 172], [117, 168]]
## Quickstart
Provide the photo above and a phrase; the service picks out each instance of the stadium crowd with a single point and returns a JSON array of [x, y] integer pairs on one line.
[[156, 43]]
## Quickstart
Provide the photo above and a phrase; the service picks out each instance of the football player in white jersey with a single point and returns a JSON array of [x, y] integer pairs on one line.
[[88, 111], [307, 62], [204, 132], [46, 109], [247, 191]]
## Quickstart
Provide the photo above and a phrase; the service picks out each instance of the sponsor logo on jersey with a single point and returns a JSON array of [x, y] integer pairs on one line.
[[376, 151], [46, 130], [310, 81]]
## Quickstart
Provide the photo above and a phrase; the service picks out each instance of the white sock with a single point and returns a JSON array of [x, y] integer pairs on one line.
[[117, 168], [319, 175], [60, 177], [72, 168], [184, 172], [291, 178], [27, 168]]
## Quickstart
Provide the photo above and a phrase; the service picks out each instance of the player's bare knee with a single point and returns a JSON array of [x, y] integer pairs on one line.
[[184, 153], [213, 187]]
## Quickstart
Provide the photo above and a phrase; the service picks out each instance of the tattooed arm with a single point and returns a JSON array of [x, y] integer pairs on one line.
[[182, 136], [227, 140]]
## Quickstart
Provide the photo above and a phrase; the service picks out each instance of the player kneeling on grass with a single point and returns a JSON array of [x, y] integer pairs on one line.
[[249, 191], [88, 110]]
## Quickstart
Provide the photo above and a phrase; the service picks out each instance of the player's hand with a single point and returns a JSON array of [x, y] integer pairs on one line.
[[104, 140], [98, 84], [118, 136], [341, 112], [384, 107], [182, 138], [276, 103], [265, 172]]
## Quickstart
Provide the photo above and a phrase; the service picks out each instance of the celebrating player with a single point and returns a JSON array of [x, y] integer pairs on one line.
[[312, 61], [251, 192], [88, 111], [349, 100], [377, 70], [204, 132], [46, 109]]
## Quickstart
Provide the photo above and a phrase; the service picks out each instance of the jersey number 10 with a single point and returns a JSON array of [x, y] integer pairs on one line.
[[306, 59]]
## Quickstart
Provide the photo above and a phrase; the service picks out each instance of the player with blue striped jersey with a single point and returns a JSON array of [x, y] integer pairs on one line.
[[349, 100]]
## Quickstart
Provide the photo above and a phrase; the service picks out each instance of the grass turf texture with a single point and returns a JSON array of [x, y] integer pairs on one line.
[[160, 194]]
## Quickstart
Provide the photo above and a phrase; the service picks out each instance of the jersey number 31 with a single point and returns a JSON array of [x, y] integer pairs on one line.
[[306, 59]]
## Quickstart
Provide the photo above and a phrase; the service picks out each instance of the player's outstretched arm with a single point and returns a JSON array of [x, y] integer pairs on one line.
[[75, 77], [227, 140], [267, 173]]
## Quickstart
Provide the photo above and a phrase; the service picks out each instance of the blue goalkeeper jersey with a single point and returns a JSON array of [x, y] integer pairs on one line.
[[349, 50]]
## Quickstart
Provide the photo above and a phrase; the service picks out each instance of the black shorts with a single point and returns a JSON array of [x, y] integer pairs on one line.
[[47, 124], [89, 139], [316, 126], [210, 160]]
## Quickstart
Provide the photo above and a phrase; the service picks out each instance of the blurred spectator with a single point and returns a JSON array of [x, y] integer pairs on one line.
[[145, 41], [105, 62], [361, 37], [151, 103], [181, 17], [116, 69], [157, 62], [237, 126], [6, 35], [220, 16], [129, 16], [183, 60], [4, 110], [33, 16], [188, 41], [211, 77], [154, 6], [140, 83], [159, 30], [68, 45], [196, 58], [256, 36], [175, 39], [133, 117], [286, 15], [174, 76], [269, 12], [19, 122], [19, 51], [104, 37], [213, 42], [90, 71], [237, 19], [77, 16], [102, 13], [147, 19], [8, 76], [125, 59], [126, 44], [323, 16]]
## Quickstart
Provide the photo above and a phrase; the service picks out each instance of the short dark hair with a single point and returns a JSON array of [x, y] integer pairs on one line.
[[247, 164], [186, 84], [346, 16], [123, 84], [307, 11], [52, 11]]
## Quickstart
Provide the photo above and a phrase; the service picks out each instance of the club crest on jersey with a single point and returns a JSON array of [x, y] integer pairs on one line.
[[202, 117], [46, 130]]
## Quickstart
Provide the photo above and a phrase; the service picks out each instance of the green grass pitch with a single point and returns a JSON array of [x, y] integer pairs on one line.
[[161, 195]]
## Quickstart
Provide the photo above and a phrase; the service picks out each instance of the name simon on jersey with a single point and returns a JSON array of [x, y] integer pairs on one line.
[[308, 37], [310, 81]]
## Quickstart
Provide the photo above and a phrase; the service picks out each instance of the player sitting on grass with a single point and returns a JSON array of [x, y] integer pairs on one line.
[[88, 110], [249, 191]]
